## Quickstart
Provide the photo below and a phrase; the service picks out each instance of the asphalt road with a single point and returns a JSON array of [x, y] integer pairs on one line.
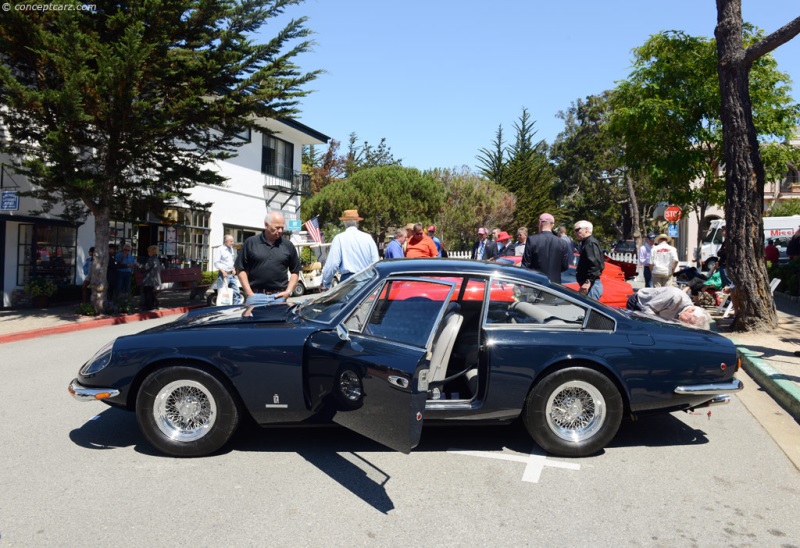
[[81, 474]]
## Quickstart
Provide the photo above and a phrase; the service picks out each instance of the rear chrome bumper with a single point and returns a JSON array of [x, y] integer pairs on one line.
[[81, 393], [713, 389]]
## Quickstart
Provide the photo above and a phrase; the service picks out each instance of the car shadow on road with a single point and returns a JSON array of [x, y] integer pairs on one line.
[[658, 431]]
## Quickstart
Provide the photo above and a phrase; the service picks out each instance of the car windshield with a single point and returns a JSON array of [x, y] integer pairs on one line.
[[324, 307]]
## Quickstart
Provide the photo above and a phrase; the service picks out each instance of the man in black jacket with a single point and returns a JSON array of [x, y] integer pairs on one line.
[[545, 251], [591, 262]]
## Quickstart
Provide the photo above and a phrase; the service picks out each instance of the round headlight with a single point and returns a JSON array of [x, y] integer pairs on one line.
[[99, 361]]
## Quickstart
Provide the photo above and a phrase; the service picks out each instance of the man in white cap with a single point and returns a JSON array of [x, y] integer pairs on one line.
[[546, 252], [351, 251], [663, 259]]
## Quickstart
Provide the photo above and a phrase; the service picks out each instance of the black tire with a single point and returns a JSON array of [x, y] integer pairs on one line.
[[573, 412], [299, 290], [185, 412], [211, 299]]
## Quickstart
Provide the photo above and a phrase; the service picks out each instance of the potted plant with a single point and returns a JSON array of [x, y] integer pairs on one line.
[[40, 290]]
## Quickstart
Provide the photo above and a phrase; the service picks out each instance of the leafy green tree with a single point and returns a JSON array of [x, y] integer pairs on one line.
[[386, 197], [366, 156], [667, 113], [745, 174], [593, 181], [785, 209], [132, 102], [471, 202]]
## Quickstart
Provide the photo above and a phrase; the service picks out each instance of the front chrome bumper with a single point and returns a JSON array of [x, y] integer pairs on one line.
[[81, 393]]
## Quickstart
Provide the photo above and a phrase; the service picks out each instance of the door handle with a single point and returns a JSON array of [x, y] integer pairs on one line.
[[402, 382]]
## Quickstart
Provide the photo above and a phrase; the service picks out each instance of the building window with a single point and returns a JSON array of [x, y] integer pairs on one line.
[[245, 135], [277, 157], [185, 243], [48, 251]]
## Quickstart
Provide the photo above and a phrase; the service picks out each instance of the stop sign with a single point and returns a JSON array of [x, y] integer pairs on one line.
[[672, 214]]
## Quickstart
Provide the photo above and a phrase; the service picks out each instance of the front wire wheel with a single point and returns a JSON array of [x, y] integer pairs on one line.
[[573, 412], [185, 412]]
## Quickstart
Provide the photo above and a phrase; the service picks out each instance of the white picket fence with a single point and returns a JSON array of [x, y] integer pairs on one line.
[[459, 254]]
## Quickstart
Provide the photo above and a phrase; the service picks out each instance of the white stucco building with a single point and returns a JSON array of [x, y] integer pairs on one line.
[[264, 174]]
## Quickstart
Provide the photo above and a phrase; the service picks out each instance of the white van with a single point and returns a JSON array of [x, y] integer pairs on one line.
[[778, 229]]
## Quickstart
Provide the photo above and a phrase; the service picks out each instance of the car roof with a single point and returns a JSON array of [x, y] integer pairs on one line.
[[456, 266]]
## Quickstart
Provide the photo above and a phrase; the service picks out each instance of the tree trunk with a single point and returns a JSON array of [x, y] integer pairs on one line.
[[102, 222], [744, 177], [636, 222]]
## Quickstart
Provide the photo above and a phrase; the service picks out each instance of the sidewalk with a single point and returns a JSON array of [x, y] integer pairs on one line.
[[770, 359], [27, 323]]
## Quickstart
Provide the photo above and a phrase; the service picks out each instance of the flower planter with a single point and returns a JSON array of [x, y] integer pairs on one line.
[[40, 301]]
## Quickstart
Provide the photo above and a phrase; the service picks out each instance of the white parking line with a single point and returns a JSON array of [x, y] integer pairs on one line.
[[534, 464]]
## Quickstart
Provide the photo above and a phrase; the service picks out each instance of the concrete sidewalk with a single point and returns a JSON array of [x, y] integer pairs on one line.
[[770, 359]]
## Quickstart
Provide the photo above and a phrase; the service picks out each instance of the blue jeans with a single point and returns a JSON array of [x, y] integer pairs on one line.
[[648, 276], [596, 290], [261, 299]]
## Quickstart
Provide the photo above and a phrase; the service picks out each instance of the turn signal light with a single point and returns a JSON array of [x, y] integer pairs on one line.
[[102, 395]]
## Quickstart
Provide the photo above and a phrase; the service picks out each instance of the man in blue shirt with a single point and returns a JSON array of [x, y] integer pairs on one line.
[[436, 241], [351, 251], [395, 248]]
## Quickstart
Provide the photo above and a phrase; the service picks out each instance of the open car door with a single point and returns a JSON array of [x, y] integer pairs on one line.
[[371, 373]]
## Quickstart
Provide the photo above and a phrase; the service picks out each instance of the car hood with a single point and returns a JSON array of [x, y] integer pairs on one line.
[[280, 313]]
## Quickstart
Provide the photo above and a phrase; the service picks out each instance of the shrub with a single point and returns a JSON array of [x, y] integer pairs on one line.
[[40, 287], [85, 309], [789, 275], [210, 276]]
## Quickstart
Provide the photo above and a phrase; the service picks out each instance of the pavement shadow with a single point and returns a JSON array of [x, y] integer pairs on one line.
[[111, 429], [657, 431]]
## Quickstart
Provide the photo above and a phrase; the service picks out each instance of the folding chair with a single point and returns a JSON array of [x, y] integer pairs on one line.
[[773, 285]]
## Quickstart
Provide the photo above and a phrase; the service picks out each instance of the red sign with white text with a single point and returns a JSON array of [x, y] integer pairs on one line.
[[672, 214]]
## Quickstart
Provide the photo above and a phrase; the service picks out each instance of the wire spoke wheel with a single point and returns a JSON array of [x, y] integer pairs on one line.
[[185, 410], [575, 411]]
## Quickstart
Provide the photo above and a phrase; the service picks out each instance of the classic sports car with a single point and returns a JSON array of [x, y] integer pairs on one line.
[[411, 341], [615, 289]]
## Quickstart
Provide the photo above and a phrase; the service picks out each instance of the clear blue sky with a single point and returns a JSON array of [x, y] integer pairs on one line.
[[437, 77]]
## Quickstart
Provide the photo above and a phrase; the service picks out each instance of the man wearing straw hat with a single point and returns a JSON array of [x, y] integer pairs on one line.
[[351, 251], [664, 259]]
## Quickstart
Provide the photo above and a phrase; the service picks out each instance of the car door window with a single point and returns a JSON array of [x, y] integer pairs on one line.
[[517, 303], [404, 311]]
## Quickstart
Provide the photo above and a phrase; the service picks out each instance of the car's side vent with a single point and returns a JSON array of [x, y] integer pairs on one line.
[[599, 322]]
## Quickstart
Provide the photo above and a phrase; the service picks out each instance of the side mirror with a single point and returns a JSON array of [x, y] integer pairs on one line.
[[341, 330]]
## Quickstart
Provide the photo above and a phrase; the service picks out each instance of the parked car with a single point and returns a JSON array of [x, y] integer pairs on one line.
[[615, 289], [408, 342]]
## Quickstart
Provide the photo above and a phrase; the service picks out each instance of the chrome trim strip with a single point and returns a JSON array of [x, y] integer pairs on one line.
[[81, 393], [713, 389]]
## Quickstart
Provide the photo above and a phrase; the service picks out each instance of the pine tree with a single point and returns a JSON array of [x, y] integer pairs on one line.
[[123, 108]]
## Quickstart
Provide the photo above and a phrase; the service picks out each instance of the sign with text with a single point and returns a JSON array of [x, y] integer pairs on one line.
[[672, 230], [294, 225], [672, 214], [9, 201]]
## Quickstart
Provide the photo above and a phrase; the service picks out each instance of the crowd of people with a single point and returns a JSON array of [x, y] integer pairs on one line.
[[267, 267]]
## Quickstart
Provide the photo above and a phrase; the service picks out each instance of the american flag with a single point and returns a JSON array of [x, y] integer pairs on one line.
[[312, 226]]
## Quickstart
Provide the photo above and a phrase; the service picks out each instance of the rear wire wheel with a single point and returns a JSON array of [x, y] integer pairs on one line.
[[574, 412]]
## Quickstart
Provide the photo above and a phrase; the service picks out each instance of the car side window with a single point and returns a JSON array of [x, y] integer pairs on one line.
[[518, 303], [358, 318], [404, 311]]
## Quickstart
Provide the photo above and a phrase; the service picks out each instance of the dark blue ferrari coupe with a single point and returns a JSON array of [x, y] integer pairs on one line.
[[406, 342]]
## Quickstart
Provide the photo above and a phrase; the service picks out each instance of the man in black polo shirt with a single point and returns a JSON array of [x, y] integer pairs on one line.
[[264, 261]]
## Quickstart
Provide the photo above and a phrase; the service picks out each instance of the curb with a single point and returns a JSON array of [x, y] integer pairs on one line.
[[772, 381], [99, 322]]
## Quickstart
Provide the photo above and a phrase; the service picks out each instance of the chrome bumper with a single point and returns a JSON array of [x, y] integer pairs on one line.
[[713, 389], [81, 393]]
